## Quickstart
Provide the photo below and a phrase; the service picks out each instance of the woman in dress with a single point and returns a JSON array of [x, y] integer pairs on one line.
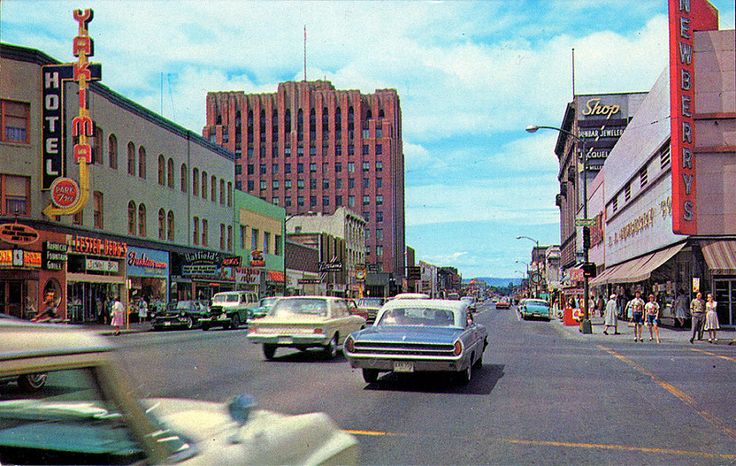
[[610, 319], [711, 318], [118, 315]]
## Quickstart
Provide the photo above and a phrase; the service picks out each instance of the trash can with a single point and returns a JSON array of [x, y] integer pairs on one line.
[[567, 317]]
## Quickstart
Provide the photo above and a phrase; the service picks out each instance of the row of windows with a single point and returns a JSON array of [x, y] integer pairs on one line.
[[15, 195], [313, 182], [339, 202], [260, 240], [313, 151], [15, 121], [313, 167], [658, 164], [226, 234]]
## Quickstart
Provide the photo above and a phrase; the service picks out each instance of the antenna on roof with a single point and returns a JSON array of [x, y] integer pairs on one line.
[[305, 52]]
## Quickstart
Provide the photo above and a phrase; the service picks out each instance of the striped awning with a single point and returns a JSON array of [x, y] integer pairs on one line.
[[639, 269], [720, 256]]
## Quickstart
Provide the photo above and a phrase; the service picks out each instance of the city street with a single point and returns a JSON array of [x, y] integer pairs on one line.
[[543, 396]]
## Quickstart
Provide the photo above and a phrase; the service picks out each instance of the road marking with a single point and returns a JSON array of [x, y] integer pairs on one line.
[[549, 443], [727, 358], [682, 396]]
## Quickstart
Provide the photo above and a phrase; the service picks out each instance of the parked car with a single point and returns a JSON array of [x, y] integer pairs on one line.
[[411, 296], [88, 413], [264, 305], [535, 308], [470, 301], [230, 309], [304, 322], [180, 314], [419, 336], [372, 306], [503, 303]]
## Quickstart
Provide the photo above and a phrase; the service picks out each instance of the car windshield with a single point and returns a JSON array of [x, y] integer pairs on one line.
[[180, 305], [418, 316], [373, 302], [268, 302], [225, 298], [299, 306]]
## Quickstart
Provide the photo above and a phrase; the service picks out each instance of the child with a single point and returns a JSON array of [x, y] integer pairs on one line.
[[711, 318]]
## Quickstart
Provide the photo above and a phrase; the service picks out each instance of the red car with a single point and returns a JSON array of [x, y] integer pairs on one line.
[[503, 304]]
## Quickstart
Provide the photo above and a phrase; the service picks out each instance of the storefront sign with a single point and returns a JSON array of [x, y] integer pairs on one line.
[[99, 265], [685, 17], [144, 262], [595, 109], [256, 258], [309, 281], [18, 234], [20, 258], [233, 261], [64, 192], [32, 259], [98, 247], [205, 264], [696, 284], [643, 221], [247, 275], [187, 270], [54, 255]]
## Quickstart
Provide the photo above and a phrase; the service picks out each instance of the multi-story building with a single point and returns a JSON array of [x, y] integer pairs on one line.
[[310, 147], [428, 283], [158, 222], [331, 250]]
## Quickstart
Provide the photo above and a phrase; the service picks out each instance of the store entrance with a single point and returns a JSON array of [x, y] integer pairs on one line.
[[726, 297], [11, 296]]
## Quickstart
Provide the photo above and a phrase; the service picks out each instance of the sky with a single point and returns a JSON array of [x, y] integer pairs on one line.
[[471, 75]]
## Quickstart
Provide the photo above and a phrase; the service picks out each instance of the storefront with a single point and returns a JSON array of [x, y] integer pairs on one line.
[[199, 275], [96, 273], [148, 276], [720, 256]]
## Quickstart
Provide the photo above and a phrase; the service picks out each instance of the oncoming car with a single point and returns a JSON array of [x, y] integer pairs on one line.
[[428, 335], [87, 413]]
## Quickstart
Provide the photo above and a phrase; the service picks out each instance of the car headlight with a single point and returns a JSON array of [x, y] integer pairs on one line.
[[458, 349], [350, 345]]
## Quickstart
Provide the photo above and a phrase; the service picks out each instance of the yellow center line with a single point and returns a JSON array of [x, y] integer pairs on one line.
[[552, 443], [682, 396], [727, 358]]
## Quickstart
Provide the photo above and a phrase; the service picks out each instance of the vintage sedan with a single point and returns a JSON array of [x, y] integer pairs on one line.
[[304, 322], [371, 305], [180, 314], [503, 303], [427, 335], [535, 308], [88, 413]]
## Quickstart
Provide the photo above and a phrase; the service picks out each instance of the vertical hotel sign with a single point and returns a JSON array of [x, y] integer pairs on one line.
[[685, 17], [67, 196]]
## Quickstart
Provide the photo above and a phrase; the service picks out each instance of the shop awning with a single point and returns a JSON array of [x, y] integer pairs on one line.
[[602, 278], [637, 270], [274, 276], [720, 256]]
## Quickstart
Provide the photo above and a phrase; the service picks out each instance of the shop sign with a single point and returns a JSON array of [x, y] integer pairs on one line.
[[685, 17], [247, 275], [330, 266], [144, 262], [203, 257], [64, 192], [54, 255], [20, 258], [18, 234], [232, 261], [98, 247], [100, 265], [309, 281], [642, 222], [201, 269], [594, 108], [256, 258]]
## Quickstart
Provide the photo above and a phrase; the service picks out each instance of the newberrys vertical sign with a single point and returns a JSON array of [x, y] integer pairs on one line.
[[685, 17]]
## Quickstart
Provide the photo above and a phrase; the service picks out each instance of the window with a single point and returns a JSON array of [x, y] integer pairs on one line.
[[16, 121], [379, 234], [338, 183], [183, 176], [222, 192], [170, 225], [195, 182], [379, 132], [367, 216], [195, 230], [251, 185], [142, 220], [379, 166], [379, 251], [299, 183], [131, 218], [312, 183], [204, 185], [263, 168], [204, 232], [266, 242], [287, 168], [277, 244], [229, 194], [16, 195], [300, 201], [229, 238], [222, 236], [338, 167], [365, 146], [366, 200], [325, 201], [615, 204], [664, 157], [170, 173], [351, 183], [254, 238], [312, 201], [338, 149], [300, 168], [351, 167], [251, 169], [161, 170], [379, 151], [213, 189], [161, 224], [379, 200], [643, 177], [367, 233], [243, 231], [112, 151], [379, 182], [275, 184], [131, 159], [379, 216], [326, 183], [275, 169], [78, 218], [142, 162], [627, 192], [287, 184], [263, 185], [98, 209], [338, 201], [312, 168], [351, 201], [366, 182]]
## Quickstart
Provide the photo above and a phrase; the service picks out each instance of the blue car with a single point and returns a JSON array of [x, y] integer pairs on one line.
[[419, 335], [534, 308]]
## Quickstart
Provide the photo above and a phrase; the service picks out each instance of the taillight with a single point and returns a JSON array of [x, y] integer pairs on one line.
[[252, 329], [350, 345], [319, 331], [458, 349]]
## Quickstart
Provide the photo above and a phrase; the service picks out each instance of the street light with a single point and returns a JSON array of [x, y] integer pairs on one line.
[[586, 327], [536, 247]]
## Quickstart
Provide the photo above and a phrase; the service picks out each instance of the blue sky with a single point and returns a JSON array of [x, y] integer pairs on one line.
[[471, 76]]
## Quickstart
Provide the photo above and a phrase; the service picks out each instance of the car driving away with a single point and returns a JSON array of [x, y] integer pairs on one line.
[[413, 335], [503, 303], [538, 308], [87, 413]]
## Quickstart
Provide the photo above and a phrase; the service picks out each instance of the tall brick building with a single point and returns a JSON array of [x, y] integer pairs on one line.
[[310, 147]]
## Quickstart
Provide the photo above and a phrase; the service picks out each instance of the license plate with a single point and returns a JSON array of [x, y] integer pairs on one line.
[[403, 366], [287, 340], [167, 323]]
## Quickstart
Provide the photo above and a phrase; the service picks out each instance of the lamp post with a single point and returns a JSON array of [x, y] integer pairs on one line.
[[536, 248], [586, 326]]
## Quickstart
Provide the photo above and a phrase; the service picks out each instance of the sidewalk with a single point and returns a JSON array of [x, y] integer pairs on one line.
[[106, 329], [667, 335]]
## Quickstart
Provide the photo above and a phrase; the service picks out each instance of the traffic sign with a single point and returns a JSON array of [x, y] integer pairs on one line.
[[584, 222]]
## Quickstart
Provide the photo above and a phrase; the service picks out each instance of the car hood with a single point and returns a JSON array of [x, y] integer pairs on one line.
[[266, 438], [306, 320], [409, 334]]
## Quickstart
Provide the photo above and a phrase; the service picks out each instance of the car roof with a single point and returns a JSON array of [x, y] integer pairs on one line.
[[427, 303], [411, 296], [25, 339], [326, 298]]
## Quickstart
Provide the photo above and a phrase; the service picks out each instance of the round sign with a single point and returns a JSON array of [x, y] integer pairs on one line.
[[64, 192], [360, 274]]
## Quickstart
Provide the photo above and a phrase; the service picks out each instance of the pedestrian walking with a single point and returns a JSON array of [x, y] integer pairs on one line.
[[118, 315], [697, 311], [681, 308], [637, 315], [142, 310], [652, 310], [611, 318], [711, 319]]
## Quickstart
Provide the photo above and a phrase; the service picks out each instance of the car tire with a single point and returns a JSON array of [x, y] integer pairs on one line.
[[269, 351], [479, 363], [189, 324], [464, 377], [205, 327], [370, 375], [330, 350], [32, 382], [235, 322]]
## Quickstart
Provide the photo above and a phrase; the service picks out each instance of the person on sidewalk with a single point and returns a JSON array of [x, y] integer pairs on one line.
[[697, 311], [637, 315], [652, 310], [681, 308], [711, 319], [118, 315], [142, 310], [610, 320]]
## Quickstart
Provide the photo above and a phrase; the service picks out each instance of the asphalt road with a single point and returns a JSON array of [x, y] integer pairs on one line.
[[541, 397]]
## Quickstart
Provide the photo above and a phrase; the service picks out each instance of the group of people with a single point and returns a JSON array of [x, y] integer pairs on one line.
[[641, 313]]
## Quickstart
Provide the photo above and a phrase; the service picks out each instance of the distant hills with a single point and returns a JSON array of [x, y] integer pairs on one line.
[[493, 281]]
